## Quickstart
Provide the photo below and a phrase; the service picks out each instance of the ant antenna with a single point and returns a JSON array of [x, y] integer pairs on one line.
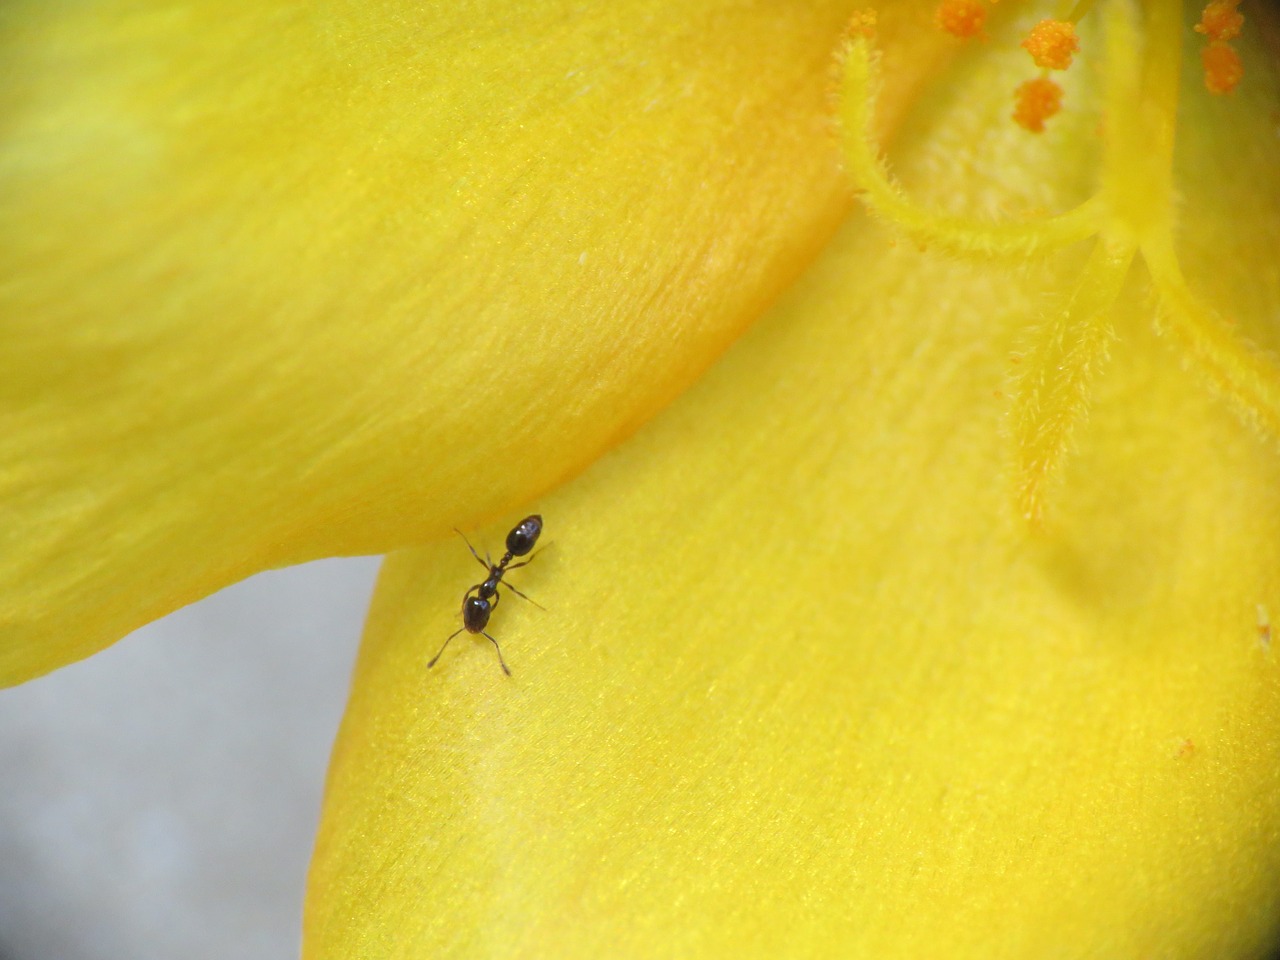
[[482, 563]]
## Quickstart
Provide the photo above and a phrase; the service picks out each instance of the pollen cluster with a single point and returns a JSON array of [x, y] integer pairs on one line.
[[1221, 22], [862, 24], [961, 18], [1035, 101], [1052, 43], [1223, 70]]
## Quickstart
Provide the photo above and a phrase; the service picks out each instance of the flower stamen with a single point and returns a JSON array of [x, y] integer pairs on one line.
[[887, 199], [961, 18], [1242, 373], [1052, 43], [1052, 395], [1223, 70], [1221, 22], [1035, 101], [1132, 213]]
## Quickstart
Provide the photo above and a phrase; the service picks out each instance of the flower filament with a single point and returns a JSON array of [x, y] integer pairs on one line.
[[1131, 215]]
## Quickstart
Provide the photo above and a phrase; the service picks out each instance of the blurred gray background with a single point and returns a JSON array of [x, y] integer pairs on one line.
[[159, 800]]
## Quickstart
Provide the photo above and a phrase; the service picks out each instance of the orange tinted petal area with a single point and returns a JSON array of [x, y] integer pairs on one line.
[[280, 281]]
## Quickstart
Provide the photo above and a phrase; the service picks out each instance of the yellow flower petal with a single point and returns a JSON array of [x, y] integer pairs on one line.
[[284, 281], [807, 685]]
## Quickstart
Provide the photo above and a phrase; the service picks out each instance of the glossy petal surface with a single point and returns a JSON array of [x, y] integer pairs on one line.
[[808, 684], [284, 280]]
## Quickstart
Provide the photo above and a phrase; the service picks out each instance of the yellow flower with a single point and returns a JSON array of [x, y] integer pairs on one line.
[[843, 655], [287, 281]]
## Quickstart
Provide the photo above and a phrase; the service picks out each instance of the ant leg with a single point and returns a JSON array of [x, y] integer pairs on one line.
[[507, 584], [433, 660], [471, 548], [505, 669]]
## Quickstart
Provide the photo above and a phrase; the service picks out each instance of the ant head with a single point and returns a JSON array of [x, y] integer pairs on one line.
[[521, 540]]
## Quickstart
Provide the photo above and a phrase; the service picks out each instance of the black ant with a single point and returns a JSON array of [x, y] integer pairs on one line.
[[476, 610]]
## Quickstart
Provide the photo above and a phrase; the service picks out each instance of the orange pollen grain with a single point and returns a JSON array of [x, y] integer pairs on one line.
[[961, 18], [1220, 20], [1035, 102], [862, 24], [1051, 44], [1223, 70]]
